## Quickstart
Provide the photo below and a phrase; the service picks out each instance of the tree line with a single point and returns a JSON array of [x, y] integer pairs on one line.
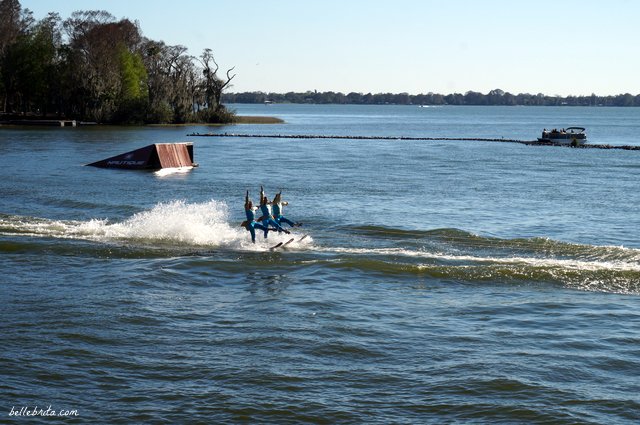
[[494, 97], [93, 67]]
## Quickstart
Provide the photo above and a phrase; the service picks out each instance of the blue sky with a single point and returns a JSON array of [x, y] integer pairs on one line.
[[564, 47]]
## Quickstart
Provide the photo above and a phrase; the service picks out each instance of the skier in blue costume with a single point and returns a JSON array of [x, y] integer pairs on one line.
[[278, 206], [267, 217], [251, 224]]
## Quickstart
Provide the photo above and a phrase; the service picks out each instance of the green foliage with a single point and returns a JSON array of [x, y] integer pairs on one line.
[[131, 111], [494, 97], [133, 100], [160, 113], [133, 75], [220, 115], [105, 72]]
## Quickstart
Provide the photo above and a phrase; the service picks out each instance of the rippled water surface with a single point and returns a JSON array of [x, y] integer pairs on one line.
[[440, 281]]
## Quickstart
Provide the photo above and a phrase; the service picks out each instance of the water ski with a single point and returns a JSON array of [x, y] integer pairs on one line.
[[281, 244], [302, 238], [278, 245]]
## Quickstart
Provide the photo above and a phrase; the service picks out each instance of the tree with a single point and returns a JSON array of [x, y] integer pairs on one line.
[[133, 99], [495, 97], [30, 63], [181, 83], [474, 98], [173, 85], [14, 23], [97, 44], [105, 71], [213, 87]]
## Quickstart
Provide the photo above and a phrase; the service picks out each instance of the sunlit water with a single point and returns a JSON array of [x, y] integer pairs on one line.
[[440, 282]]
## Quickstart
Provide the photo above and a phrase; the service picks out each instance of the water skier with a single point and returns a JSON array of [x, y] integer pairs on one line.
[[278, 205], [251, 224], [267, 217]]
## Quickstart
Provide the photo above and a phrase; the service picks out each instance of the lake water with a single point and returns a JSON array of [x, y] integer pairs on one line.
[[441, 281]]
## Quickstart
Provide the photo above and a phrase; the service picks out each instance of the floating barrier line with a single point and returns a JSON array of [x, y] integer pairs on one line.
[[471, 139]]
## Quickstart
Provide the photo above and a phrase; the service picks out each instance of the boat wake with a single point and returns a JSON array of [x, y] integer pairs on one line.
[[454, 254], [171, 226], [179, 228]]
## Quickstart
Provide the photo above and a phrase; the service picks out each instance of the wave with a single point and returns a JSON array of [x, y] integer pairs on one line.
[[616, 277], [460, 241], [181, 228], [458, 255]]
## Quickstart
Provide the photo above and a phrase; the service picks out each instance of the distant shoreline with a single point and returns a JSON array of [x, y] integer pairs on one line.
[[55, 122], [240, 119], [495, 97]]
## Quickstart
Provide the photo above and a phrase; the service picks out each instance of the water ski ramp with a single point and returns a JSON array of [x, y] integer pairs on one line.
[[152, 157]]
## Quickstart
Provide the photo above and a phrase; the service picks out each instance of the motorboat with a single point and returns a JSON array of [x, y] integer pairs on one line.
[[573, 136]]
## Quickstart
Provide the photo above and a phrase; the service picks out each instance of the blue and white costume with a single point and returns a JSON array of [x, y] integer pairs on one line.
[[267, 217], [278, 206], [251, 224]]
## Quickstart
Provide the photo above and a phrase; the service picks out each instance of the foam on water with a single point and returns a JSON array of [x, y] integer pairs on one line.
[[178, 225], [169, 171], [569, 264], [175, 223], [459, 255]]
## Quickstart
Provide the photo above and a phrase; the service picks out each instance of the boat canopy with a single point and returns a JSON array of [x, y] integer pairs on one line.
[[580, 129]]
